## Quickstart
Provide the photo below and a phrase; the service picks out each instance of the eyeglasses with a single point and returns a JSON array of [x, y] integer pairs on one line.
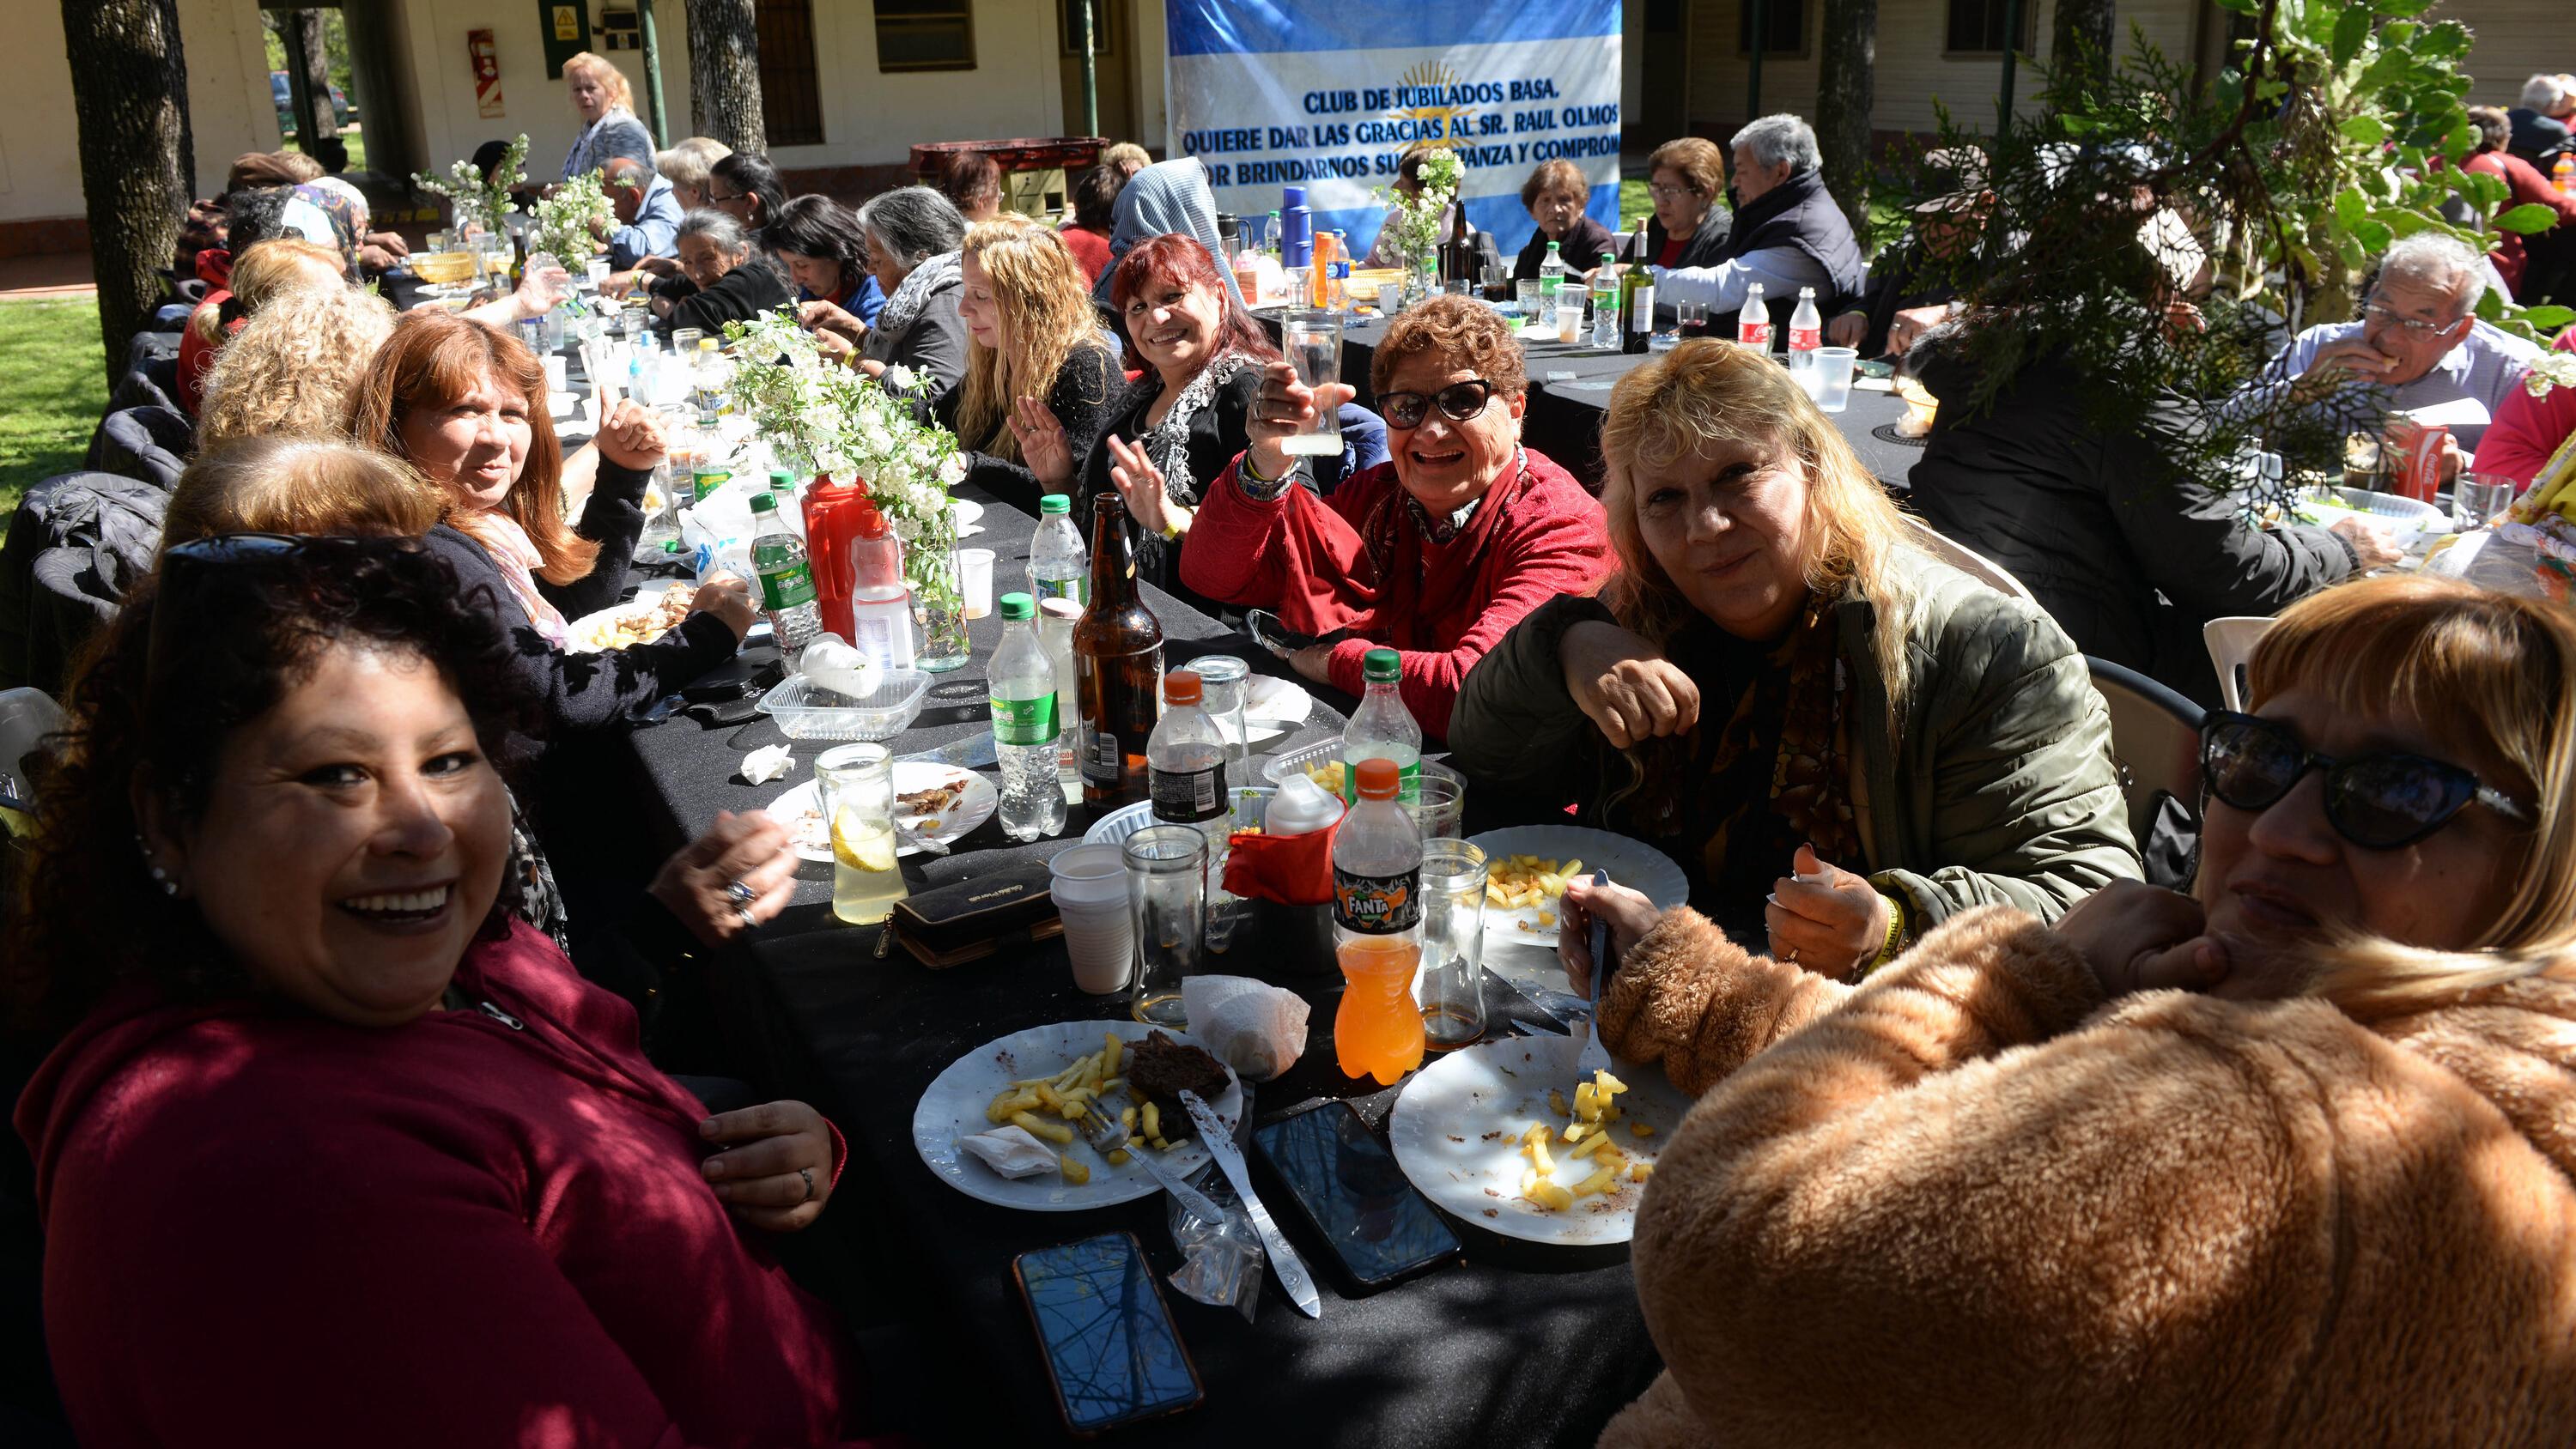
[[2415, 327], [715, 200], [1459, 402], [1672, 193], [2378, 802]]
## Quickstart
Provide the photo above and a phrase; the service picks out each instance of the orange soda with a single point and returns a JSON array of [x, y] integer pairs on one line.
[[1378, 1030], [1318, 278]]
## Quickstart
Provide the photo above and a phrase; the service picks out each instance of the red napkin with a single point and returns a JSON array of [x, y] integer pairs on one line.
[[1294, 870]]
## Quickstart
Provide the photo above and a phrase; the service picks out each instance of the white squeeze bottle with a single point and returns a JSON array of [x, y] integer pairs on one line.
[[1382, 729], [880, 601], [1024, 725], [1056, 618], [1059, 564], [1806, 334], [1753, 324]]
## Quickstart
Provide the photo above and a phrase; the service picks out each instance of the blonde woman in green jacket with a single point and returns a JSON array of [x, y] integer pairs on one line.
[[1844, 740]]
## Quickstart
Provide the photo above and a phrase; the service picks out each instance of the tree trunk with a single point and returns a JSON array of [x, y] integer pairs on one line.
[[138, 161], [2079, 46], [1846, 91], [302, 32], [724, 74]]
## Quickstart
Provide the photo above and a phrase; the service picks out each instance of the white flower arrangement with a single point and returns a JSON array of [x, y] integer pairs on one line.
[[1414, 221], [2552, 369], [565, 219], [858, 429], [473, 201]]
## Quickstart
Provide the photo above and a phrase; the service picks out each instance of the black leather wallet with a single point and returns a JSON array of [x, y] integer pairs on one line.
[[976, 918]]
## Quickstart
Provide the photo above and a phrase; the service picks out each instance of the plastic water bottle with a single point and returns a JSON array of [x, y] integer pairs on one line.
[[1753, 324], [1605, 303], [1056, 618], [1024, 725], [1382, 729], [1806, 335], [1185, 760], [880, 601], [1059, 565], [786, 584], [1551, 279]]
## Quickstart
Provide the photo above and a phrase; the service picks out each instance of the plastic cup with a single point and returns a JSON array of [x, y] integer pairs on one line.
[[2478, 497], [1526, 294], [1834, 377], [1440, 810], [557, 378], [1390, 297], [1313, 341], [1089, 883], [1167, 893], [975, 580], [1222, 685], [596, 271], [1569, 312]]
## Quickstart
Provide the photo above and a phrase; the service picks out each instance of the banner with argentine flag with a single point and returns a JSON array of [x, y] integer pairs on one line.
[[1272, 93]]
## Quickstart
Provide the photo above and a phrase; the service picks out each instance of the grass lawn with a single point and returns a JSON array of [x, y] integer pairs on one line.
[[55, 383]]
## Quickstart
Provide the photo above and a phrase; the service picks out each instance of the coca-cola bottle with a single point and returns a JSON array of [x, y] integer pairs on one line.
[[1753, 323], [1117, 665]]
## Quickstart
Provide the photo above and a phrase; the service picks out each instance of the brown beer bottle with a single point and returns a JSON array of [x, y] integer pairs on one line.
[[1117, 665]]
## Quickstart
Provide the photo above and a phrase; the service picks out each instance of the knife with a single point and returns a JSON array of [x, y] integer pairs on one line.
[[974, 752], [1283, 1259]]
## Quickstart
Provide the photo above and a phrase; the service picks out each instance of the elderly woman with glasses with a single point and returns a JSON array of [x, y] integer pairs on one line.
[[1436, 552], [1686, 180], [1555, 196], [2302, 1132]]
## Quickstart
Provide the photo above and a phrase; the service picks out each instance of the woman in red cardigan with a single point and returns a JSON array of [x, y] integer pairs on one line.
[[2528, 429], [335, 1152], [1439, 550]]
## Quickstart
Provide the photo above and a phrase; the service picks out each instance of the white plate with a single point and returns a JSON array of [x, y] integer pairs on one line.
[[953, 1107], [1456, 1133], [796, 809], [1114, 827], [1631, 863]]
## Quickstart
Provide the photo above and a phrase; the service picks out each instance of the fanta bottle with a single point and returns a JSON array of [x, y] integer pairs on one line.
[[1377, 931]]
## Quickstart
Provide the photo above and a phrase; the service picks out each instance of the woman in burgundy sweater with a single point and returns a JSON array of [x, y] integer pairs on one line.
[[1439, 550], [333, 1153]]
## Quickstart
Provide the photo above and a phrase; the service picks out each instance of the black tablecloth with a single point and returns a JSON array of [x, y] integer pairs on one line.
[[1570, 389], [1515, 1344]]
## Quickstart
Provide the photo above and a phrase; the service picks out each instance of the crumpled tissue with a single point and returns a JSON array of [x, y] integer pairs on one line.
[[769, 762], [1011, 1151], [1255, 1028]]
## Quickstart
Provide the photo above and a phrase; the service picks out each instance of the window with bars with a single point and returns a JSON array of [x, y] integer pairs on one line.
[[925, 35], [1787, 20], [1977, 27], [791, 99]]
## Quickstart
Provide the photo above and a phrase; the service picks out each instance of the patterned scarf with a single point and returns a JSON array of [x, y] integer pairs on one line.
[[1169, 444], [518, 559], [914, 293], [1777, 776]]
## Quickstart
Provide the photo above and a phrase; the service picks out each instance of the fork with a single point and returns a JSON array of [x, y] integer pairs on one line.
[[1595, 1057], [1107, 1134]]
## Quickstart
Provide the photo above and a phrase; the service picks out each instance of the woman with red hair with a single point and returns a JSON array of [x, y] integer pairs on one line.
[[1177, 426]]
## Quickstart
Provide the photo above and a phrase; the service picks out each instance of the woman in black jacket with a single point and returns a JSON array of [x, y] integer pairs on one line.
[[734, 284], [1555, 196], [1685, 178]]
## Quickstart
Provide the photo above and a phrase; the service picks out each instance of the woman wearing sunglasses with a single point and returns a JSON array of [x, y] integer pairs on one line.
[[1844, 740], [333, 1150], [2283, 1161], [1439, 550]]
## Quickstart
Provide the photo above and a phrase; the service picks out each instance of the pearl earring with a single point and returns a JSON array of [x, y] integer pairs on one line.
[[160, 877]]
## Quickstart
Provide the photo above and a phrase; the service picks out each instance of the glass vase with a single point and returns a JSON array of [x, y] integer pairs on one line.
[[938, 603]]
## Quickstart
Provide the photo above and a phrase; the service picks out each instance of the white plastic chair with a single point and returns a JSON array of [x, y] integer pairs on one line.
[[2231, 643], [1970, 562]]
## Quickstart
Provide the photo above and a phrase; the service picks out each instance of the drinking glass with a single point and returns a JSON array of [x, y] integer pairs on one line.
[[1441, 808], [1452, 988], [1314, 345], [684, 341], [1167, 894], [1834, 377], [2478, 497], [1528, 297], [1089, 883], [1390, 298], [856, 786], [939, 611], [1222, 685], [1694, 318]]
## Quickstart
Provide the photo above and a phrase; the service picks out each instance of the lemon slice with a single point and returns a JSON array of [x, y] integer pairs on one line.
[[861, 845]]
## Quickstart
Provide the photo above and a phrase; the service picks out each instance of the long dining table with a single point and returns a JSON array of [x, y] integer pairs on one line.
[[1516, 1343]]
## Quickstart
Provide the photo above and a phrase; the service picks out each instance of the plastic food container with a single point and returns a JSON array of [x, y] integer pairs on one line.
[[807, 711], [2405, 512]]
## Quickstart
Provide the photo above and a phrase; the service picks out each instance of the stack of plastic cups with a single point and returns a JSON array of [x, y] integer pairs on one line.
[[1296, 229], [1089, 883]]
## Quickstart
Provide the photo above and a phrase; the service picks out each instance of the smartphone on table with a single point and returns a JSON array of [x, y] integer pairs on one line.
[[1355, 1195], [1110, 1346]]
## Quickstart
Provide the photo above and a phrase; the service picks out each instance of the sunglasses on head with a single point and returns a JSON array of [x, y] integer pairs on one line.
[[1459, 402], [2378, 802]]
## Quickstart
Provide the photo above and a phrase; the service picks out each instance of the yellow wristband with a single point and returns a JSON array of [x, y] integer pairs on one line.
[[1895, 933]]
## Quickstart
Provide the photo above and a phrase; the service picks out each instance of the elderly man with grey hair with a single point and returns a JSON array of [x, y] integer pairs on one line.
[[1788, 233], [2540, 129], [2418, 346], [648, 215], [913, 235]]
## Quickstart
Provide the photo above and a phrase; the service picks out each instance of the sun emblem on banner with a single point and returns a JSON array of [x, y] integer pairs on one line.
[[1432, 75]]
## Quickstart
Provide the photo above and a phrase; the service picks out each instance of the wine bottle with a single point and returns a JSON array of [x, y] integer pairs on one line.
[[1636, 297]]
